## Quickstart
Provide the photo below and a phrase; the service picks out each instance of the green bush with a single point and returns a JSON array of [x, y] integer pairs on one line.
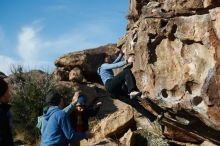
[[28, 99]]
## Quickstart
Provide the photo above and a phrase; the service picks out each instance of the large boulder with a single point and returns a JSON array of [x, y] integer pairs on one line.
[[176, 49], [115, 124]]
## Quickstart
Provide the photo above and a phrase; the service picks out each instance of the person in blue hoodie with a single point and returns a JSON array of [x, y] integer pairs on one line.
[[57, 129], [69, 109], [114, 84]]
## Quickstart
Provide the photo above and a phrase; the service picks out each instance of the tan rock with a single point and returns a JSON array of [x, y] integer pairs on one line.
[[114, 124], [60, 74], [127, 138], [76, 75], [179, 136], [106, 142], [207, 143], [170, 8], [177, 59]]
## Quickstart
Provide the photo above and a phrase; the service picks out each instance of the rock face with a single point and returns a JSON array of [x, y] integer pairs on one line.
[[106, 142], [81, 65], [207, 143], [127, 138], [121, 120], [176, 48]]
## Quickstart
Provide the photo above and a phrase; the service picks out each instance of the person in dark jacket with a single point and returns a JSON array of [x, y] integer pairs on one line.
[[114, 84], [80, 116], [5, 115], [57, 129]]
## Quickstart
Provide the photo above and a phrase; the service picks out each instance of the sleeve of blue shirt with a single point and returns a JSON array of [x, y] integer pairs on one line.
[[114, 65], [69, 108], [68, 131], [118, 58]]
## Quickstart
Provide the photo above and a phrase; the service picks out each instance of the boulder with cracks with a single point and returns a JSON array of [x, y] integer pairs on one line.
[[176, 49]]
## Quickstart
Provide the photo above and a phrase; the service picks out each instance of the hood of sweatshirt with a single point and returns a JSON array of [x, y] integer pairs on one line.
[[50, 111]]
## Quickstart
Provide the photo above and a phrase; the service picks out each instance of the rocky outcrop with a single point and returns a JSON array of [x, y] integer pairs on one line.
[[127, 139], [122, 126], [176, 49], [207, 143], [122, 119], [106, 142], [81, 66]]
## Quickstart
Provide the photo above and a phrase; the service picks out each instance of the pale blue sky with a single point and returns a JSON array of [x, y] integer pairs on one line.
[[34, 33]]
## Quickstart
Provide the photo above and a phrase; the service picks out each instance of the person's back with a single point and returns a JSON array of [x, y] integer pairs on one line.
[[51, 131]]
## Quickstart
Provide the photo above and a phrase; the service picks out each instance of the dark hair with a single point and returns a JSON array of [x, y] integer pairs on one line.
[[105, 56], [2, 75], [53, 98], [3, 87]]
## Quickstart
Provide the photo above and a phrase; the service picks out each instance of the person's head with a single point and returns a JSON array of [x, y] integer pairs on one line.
[[4, 91], [107, 58], [2, 75], [55, 99], [80, 105]]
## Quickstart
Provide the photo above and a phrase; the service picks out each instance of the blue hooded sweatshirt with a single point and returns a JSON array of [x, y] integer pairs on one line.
[[57, 129], [68, 110]]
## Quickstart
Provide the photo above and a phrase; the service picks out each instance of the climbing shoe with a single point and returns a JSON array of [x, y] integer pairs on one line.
[[134, 94]]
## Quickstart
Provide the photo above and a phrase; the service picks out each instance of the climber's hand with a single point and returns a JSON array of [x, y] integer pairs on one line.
[[130, 59], [123, 51]]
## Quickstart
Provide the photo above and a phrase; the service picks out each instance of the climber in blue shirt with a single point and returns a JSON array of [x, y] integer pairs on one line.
[[112, 83]]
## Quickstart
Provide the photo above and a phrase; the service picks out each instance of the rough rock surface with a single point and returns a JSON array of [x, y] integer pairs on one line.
[[122, 126], [115, 124], [176, 48], [127, 138], [106, 142], [207, 143], [84, 62]]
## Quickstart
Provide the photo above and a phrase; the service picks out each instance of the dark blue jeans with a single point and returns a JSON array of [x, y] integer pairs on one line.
[[116, 84]]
